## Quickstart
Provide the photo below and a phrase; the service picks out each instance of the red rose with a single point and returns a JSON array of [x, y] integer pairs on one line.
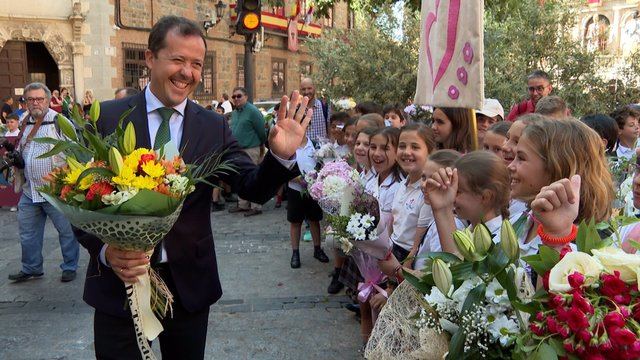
[[606, 346], [582, 303], [536, 329], [563, 331], [568, 347], [577, 320], [624, 311], [636, 312], [612, 285], [585, 336], [576, 280], [539, 316], [622, 299], [99, 189], [552, 325], [556, 301], [565, 249], [614, 319], [595, 356], [622, 337], [563, 314]]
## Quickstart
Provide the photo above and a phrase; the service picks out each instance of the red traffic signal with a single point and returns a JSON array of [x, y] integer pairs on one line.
[[248, 21]]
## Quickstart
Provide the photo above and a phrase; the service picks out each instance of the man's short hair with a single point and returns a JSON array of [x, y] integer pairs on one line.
[[368, 107], [241, 89], [621, 114], [129, 91], [550, 105], [183, 26], [6, 98], [539, 74], [38, 86]]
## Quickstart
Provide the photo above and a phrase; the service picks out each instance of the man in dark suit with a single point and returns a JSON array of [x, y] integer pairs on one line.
[[186, 257]]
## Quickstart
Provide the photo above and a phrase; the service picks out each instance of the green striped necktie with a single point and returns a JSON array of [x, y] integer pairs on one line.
[[163, 136]]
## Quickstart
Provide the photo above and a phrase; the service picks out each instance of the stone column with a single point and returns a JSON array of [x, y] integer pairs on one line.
[[78, 67]]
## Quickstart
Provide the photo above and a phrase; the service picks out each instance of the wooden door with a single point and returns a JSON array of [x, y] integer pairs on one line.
[[13, 67]]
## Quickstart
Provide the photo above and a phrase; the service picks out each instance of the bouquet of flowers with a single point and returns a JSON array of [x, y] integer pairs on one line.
[[328, 152], [129, 198], [344, 104], [419, 113], [353, 213], [471, 298], [588, 308]]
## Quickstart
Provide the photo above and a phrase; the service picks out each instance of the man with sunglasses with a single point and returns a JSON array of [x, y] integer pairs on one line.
[[538, 86], [247, 126]]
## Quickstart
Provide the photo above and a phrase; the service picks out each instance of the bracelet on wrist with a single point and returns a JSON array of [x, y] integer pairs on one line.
[[554, 241]]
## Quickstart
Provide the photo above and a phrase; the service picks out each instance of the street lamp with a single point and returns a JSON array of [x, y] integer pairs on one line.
[[208, 24]]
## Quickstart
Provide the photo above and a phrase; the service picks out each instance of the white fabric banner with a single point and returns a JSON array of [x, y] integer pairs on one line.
[[451, 64]]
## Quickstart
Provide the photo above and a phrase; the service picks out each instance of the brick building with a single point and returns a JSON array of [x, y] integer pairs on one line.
[[99, 45]]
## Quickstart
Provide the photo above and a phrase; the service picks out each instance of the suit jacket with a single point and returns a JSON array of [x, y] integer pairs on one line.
[[189, 245]]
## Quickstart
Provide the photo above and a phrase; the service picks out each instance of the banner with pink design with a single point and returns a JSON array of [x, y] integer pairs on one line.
[[451, 64]]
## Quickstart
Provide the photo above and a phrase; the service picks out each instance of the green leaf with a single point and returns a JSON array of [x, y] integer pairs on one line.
[[95, 170], [475, 296], [456, 346], [445, 256], [420, 285], [556, 344], [461, 271], [545, 352], [531, 307], [57, 148], [588, 237], [101, 151], [145, 202], [507, 281], [549, 256], [79, 197], [497, 260], [48, 140], [77, 117], [124, 115]]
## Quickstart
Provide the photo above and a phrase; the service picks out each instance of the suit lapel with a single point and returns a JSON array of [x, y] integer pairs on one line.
[[190, 133], [140, 122]]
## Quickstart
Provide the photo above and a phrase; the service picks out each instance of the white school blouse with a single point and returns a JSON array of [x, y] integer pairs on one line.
[[409, 212]]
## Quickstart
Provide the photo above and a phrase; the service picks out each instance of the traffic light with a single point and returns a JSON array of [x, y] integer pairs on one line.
[[248, 16]]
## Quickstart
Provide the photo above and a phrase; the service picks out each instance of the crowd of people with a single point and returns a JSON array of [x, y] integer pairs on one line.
[[429, 179]]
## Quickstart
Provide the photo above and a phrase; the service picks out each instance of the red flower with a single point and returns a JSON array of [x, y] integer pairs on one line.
[[564, 251], [585, 336], [556, 301], [606, 346], [624, 311], [65, 191], [636, 312], [595, 356], [539, 316], [612, 285], [622, 337], [563, 331], [622, 299], [576, 280], [582, 303], [614, 319], [568, 346], [99, 189], [536, 329], [145, 158], [577, 320], [552, 325]]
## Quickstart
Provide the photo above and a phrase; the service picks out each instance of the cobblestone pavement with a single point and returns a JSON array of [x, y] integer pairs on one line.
[[268, 310]]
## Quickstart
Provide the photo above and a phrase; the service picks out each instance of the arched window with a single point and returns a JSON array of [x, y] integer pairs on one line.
[[596, 33]]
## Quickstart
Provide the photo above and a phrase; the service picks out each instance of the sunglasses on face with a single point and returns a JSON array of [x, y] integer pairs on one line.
[[237, 96]]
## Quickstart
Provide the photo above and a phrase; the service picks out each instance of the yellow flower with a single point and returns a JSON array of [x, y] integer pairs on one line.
[[125, 178], [86, 182], [72, 176], [144, 182], [153, 169], [133, 159]]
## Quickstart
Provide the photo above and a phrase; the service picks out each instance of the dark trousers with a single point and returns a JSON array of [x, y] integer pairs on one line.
[[399, 252], [184, 335]]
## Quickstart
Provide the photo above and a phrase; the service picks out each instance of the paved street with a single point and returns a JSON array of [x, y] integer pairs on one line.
[[268, 311]]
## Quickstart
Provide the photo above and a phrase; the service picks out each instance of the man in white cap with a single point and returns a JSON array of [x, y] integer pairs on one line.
[[491, 113]]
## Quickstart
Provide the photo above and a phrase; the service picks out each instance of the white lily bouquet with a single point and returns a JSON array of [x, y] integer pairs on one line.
[[129, 198], [470, 299]]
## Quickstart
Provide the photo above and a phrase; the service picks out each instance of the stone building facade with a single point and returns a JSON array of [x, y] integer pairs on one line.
[[610, 26], [99, 45]]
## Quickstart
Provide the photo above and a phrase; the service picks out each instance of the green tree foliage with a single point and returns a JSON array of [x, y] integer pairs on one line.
[[370, 63]]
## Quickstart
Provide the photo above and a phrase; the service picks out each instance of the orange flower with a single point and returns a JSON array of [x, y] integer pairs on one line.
[[163, 189], [65, 191], [168, 167]]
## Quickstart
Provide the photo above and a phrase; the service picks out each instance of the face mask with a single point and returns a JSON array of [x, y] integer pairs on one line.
[[387, 123]]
